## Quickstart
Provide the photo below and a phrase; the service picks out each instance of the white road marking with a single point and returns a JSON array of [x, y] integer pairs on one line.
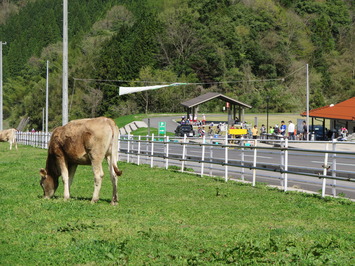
[[345, 164], [264, 157]]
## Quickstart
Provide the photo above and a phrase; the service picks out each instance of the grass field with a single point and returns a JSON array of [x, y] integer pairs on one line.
[[164, 218]]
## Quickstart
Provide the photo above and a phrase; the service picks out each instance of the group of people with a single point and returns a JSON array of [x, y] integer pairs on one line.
[[193, 120], [210, 132], [283, 130]]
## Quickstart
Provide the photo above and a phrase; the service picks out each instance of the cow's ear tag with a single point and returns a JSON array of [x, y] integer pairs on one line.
[[43, 173]]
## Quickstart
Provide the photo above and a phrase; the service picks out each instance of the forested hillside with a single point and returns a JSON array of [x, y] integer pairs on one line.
[[246, 49]]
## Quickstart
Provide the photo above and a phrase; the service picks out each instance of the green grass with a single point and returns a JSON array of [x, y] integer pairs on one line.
[[164, 217], [126, 119]]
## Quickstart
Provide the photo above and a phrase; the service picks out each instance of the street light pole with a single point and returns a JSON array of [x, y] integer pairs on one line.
[[1, 103]]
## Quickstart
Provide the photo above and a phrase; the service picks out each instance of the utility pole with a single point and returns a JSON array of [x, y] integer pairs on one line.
[[65, 63], [307, 85], [1, 104], [47, 88]]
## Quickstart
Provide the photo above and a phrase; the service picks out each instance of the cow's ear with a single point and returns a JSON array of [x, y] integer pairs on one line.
[[43, 173]]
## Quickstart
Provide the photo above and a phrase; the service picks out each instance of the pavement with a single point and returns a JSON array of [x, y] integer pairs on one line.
[[324, 145], [346, 146]]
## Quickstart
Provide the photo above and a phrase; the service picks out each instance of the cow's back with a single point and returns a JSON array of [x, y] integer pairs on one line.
[[7, 134], [81, 140]]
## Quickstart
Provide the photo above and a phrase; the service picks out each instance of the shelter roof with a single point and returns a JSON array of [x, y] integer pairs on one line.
[[210, 96], [341, 111]]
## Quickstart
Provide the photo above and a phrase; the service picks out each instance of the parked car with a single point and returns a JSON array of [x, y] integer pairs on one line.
[[318, 131], [181, 130]]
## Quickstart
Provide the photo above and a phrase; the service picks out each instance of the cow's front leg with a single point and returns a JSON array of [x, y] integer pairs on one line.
[[65, 177], [98, 175]]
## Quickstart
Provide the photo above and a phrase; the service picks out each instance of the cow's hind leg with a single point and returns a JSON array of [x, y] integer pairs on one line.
[[113, 177], [15, 142], [72, 169], [98, 175]]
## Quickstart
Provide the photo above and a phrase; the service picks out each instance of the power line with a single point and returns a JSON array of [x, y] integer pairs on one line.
[[184, 83]]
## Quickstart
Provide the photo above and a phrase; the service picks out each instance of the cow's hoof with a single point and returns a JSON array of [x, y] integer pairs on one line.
[[114, 203], [93, 201]]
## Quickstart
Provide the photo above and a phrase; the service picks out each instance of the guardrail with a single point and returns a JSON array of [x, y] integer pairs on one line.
[[205, 154]]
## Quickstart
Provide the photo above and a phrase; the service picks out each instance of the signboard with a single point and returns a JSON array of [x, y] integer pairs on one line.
[[235, 131], [162, 128]]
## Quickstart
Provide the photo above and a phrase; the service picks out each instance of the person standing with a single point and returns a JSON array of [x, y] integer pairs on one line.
[[291, 130], [305, 132], [255, 132], [283, 128], [263, 132], [203, 119]]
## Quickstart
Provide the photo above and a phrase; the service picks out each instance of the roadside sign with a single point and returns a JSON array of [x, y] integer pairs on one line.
[[162, 128]]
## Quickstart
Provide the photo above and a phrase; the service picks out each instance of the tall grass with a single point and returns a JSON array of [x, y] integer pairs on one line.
[[165, 218]]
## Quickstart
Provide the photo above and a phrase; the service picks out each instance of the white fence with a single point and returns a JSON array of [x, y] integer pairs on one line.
[[34, 139], [228, 158], [205, 155]]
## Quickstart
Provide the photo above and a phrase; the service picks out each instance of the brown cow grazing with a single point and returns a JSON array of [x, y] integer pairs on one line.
[[9, 135], [81, 142]]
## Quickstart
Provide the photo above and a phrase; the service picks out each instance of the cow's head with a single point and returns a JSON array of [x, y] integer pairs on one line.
[[48, 183]]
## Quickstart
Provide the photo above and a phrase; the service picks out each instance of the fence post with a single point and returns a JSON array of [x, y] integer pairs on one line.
[[183, 154], [325, 168], [139, 150], [203, 154], [334, 168], [152, 152], [254, 162], [128, 146], [47, 139], [286, 166], [242, 157], [147, 148], [211, 156], [167, 153], [119, 145], [226, 158], [282, 163]]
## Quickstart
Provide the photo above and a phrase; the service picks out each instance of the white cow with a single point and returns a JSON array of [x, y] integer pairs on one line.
[[9, 135], [81, 142]]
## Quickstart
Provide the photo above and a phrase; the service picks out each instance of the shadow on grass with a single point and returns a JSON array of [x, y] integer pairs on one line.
[[74, 198]]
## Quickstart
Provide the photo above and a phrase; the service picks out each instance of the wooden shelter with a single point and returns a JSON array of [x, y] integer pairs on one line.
[[233, 106]]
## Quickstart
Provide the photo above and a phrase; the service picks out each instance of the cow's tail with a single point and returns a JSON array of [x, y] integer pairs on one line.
[[114, 155]]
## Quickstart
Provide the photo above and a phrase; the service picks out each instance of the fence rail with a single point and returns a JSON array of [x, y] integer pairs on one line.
[[227, 157]]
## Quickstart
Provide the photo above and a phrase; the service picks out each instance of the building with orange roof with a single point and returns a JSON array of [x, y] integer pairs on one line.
[[341, 114]]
